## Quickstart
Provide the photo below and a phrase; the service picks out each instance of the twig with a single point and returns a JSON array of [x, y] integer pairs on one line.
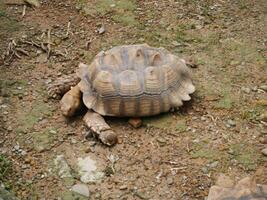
[[43, 47], [17, 55], [48, 43], [59, 53], [22, 51], [68, 29], [24, 10]]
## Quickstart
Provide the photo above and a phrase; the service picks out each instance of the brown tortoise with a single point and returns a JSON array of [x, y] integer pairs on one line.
[[125, 81]]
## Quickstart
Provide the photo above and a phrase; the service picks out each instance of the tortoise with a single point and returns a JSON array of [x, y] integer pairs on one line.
[[125, 81]]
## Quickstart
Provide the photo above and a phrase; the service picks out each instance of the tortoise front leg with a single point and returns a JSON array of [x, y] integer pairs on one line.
[[96, 123], [71, 101]]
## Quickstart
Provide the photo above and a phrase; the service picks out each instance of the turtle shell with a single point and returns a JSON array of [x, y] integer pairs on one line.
[[135, 80]]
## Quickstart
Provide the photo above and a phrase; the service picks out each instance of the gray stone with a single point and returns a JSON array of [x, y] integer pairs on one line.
[[264, 151], [62, 167], [169, 180], [16, 147], [205, 170], [214, 164], [102, 29], [245, 89], [81, 189], [231, 123], [263, 87], [88, 171]]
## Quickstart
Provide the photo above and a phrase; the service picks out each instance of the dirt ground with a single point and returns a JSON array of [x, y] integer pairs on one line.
[[177, 155]]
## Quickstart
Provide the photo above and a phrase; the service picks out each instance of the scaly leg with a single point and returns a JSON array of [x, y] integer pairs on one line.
[[61, 85], [96, 123], [71, 101]]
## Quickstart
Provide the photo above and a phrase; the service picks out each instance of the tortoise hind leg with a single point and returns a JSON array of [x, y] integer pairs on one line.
[[96, 123], [71, 101], [61, 85]]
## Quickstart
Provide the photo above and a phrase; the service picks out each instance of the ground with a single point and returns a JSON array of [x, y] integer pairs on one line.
[[177, 155]]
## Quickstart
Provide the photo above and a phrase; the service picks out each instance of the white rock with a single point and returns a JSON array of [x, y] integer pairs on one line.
[[88, 171], [62, 167], [81, 189]]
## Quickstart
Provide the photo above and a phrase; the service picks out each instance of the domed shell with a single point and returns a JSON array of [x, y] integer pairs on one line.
[[135, 80]]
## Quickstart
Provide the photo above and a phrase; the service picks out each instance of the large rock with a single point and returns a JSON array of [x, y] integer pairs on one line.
[[244, 189]]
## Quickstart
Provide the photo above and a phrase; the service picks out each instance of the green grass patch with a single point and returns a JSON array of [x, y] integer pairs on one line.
[[5, 167], [245, 155], [122, 10], [125, 19], [204, 150], [226, 102], [30, 115], [44, 140], [181, 126], [162, 121]]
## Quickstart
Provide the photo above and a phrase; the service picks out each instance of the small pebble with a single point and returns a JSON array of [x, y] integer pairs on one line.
[[73, 141], [169, 180], [203, 118], [245, 89], [52, 131], [123, 187], [263, 87], [16, 147], [254, 89], [231, 151], [264, 151], [231, 123], [161, 140], [101, 30], [205, 170], [9, 128], [214, 164]]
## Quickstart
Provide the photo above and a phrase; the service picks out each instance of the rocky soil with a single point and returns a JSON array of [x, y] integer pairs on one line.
[[177, 155]]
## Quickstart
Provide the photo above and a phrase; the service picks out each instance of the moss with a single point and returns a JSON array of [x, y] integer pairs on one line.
[[103, 7], [204, 153], [8, 26], [253, 113], [126, 4], [161, 121], [203, 150], [225, 103], [181, 126], [5, 167], [28, 117], [43, 140], [125, 19]]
